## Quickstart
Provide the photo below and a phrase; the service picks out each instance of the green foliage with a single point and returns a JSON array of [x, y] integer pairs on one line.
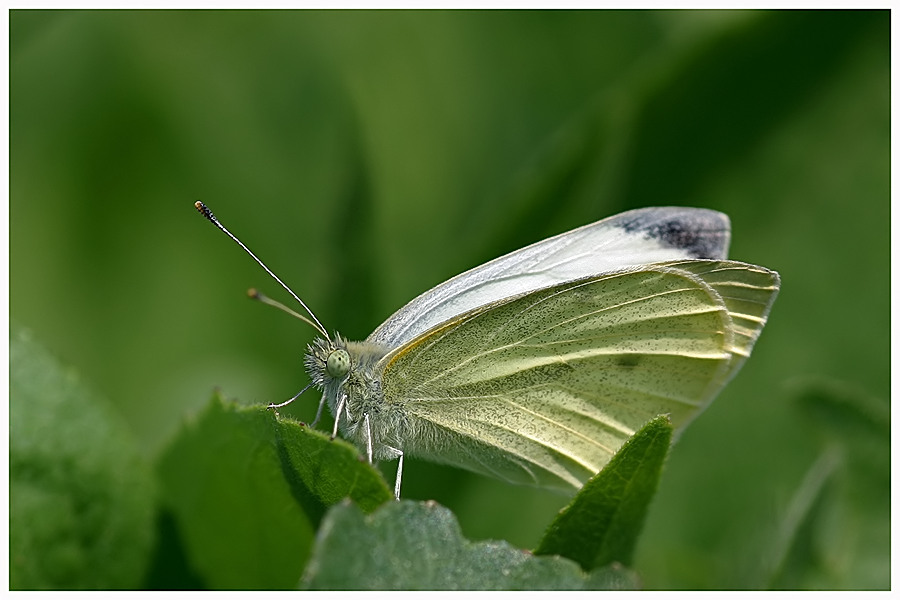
[[248, 490], [227, 462], [418, 546], [834, 513], [81, 497], [366, 156], [601, 524], [280, 476]]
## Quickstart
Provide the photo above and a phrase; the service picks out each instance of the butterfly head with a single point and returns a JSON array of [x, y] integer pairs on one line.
[[328, 361]]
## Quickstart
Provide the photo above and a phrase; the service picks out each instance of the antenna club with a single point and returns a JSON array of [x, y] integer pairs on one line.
[[204, 210]]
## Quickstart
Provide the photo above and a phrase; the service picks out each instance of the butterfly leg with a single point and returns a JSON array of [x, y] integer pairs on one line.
[[318, 412], [399, 455], [394, 451], [337, 415], [399, 475], [294, 397], [368, 438]]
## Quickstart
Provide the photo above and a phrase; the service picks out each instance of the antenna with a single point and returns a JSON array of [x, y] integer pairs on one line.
[[204, 210], [255, 294]]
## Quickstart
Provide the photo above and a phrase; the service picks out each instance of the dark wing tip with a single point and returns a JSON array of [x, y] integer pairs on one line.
[[700, 232]]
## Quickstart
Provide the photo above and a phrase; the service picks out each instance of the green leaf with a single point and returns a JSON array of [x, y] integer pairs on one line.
[[418, 546], [248, 489], [80, 495], [612, 577], [322, 471], [602, 523], [169, 569]]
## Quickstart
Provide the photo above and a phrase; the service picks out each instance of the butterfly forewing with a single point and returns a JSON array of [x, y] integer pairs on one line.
[[543, 388], [632, 238]]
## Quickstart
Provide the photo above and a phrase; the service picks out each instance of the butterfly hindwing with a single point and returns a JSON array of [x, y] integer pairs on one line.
[[544, 387]]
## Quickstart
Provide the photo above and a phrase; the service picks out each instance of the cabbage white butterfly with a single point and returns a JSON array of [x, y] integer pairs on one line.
[[537, 366]]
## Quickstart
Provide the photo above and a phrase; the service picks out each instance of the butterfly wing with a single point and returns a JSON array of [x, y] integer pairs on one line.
[[544, 387], [631, 238]]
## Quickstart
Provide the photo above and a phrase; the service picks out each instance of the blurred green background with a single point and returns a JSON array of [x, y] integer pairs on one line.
[[367, 156]]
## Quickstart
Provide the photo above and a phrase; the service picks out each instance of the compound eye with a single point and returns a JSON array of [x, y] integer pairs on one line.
[[337, 364]]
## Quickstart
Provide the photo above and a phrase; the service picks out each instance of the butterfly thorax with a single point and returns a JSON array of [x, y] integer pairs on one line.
[[341, 368]]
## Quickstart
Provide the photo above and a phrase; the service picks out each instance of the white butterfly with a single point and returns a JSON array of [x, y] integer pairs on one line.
[[537, 366]]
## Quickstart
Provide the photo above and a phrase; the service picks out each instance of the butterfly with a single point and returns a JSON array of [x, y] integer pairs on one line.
[[537, 366]]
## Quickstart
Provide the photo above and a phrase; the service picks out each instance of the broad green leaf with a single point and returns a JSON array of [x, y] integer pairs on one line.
[[418, 546], [613, 577], [248, 489], [80, 495], [322, 471], [602, 523], [169, 569]]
